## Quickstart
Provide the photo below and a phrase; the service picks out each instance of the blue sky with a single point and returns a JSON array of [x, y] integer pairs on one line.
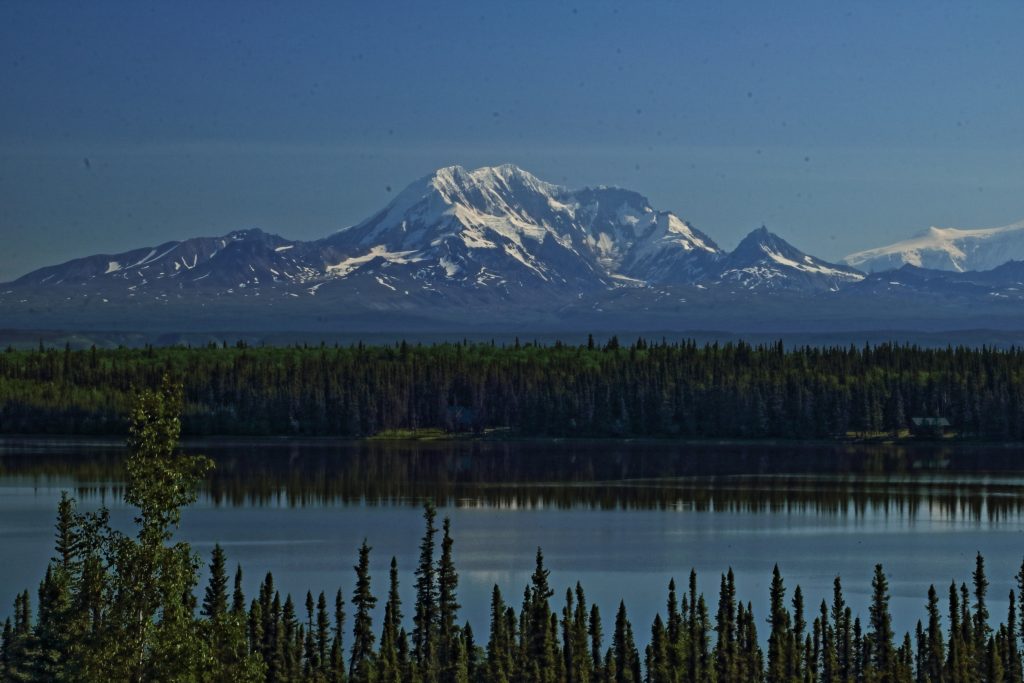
[[839, 125]]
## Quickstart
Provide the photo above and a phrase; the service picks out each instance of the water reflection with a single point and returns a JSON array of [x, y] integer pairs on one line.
[[940, 482]]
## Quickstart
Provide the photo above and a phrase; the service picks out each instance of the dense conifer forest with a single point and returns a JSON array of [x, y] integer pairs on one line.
[[597, 390], [115, 607]]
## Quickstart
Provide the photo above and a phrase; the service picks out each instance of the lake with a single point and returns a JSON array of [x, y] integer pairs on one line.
[[621, 517]]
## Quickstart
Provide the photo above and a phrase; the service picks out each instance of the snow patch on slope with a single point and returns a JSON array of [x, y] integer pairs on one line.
[[809, 265], [350, 265]]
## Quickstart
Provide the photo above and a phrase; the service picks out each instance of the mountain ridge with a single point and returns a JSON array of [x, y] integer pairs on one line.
[[494, 246]]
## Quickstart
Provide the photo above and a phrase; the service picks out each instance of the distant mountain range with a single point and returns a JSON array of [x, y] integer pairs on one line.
[[497, 248], [947, 249]]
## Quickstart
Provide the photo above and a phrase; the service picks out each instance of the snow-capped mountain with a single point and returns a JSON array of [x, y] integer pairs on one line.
[[502, 227], [765, 261], [947, 249], [497, 247], [497, 230]]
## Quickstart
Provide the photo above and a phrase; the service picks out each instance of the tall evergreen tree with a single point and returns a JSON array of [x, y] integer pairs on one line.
[[726, 654], [237, 596], [363, 600], [980, 626], [425, 616], [388, 665], [215, 602], [499, 645], [448, 608], [596, 634], [337, 669], [539, 646], [779, 640], [880, 637], [934, 658], [627, 658]]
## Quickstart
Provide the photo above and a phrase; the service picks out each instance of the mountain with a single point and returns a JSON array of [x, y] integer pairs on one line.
[[947, 249], [503, 228], [238, 259], [495, 249], [765, 261], [498, 230]]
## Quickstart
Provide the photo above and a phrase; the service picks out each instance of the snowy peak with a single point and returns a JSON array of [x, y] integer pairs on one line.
[[517, 230], [452, 201], [488, 184], [632, 239], [763, 260], [952, 249]]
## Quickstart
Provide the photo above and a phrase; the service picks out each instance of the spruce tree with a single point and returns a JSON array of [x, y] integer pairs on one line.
[[934, 656], [751, 665], [68, 544], [387, 660], [568, 643], [880, 636], [981, 629], [215, 602], [425, 615], [842, 632], [448, 607], [499, 646], [596, 634], [323, 636], [289, 642], [474, 665], [1011, 650], [540, 648], [363, 601], [627, 658], [828, 661], [237, 596], [725, 627], [796, 655], [957, 662], [310, 653], [779, 646], [658, 670], [51, 636], [337, 669]]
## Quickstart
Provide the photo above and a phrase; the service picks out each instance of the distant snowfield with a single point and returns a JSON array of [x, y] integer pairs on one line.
[[954, 249]]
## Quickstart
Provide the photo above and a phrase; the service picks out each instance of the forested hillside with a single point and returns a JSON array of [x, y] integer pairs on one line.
[[606, 390]]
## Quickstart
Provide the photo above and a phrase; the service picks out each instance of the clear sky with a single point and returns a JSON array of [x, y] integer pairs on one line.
[[839, 125]]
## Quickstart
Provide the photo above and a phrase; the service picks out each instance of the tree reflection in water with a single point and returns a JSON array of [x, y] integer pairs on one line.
[[951, 482]]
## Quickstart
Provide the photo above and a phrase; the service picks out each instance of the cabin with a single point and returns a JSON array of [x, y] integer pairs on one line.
[[929, 427]]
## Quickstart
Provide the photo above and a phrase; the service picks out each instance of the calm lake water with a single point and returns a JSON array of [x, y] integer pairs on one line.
[[622, 518]]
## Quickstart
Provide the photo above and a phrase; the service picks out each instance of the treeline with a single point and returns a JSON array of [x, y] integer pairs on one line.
[[114, 607], [642, 389]]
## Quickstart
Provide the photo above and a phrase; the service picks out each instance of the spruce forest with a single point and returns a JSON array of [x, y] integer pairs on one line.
[[656, 389], [115, 607]]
